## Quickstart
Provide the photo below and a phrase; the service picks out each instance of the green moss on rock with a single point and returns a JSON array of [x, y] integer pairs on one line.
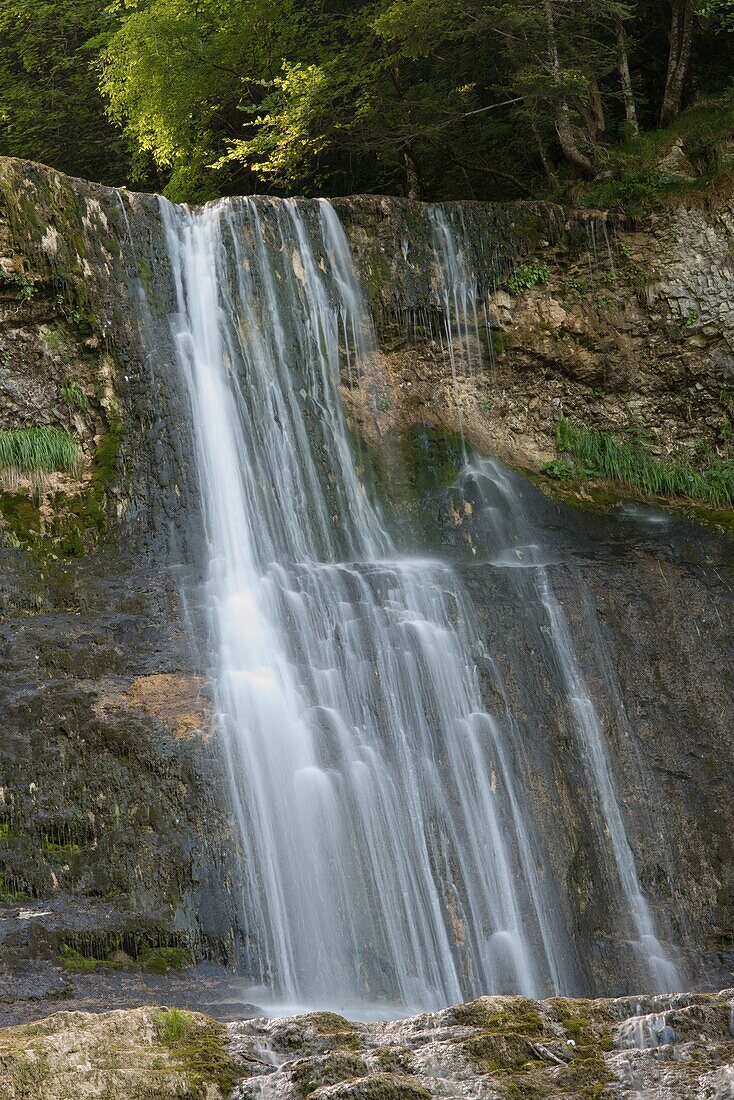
[[517, 1015], [197, 1047], [309, 1074], [380, 1086]]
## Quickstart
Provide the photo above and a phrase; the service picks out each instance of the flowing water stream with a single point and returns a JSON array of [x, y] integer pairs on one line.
[[391, 855]]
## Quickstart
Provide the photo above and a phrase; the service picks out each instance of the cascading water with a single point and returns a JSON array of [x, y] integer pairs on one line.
[[391, 852], [516, 542], [389, 858]]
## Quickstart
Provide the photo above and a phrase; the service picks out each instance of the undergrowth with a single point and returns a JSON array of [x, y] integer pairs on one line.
[[633, 179], [38, 450], [73, 394], [588, 454], [527, 276]]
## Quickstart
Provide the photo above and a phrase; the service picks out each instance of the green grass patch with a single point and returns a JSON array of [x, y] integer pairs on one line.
[[40, 450], [633, 180], [587, 454]]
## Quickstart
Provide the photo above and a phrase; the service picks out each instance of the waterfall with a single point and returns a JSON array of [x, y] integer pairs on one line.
[[514, 540], [389, 854]]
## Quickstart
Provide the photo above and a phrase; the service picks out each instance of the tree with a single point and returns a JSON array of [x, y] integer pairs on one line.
[[180, 75], [680, 36], [630, 107], [50, 106]]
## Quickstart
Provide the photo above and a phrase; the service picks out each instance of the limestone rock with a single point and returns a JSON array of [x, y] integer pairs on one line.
[[138, 1054]]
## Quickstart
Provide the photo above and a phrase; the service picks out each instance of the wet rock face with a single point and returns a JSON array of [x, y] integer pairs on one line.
[[619, 328], [114, 839], [114, 833], [674, 1046], [662, 704]]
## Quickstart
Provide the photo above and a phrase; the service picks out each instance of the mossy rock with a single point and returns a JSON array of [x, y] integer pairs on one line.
[[309, 1074], [159, 960], [500, 1015], [138, 1054], [490, 1052], [377, 1086], [584, 1021], [317, 1033], [395, 1060], [196, 1045]]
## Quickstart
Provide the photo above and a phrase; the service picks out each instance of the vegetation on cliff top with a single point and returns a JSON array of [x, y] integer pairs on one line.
[[439, 99]]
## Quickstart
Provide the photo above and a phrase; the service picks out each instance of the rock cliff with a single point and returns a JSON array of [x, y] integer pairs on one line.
[[115, 839]]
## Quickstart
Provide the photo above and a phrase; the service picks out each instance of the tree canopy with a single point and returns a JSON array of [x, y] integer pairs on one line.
[[432, 98]]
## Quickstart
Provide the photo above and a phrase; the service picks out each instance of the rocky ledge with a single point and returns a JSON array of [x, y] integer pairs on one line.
[[671, 1047]]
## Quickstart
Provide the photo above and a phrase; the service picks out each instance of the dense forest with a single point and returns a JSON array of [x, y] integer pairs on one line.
[[430, 98]]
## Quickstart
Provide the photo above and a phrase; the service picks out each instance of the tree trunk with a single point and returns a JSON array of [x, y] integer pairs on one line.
[[597, 107], [564, 126], [630, 108], [412, 174], [543, 153], [593, 113], [682, 19]]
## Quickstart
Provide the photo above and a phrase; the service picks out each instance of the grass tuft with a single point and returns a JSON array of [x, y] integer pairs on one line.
[[590, 454], [40, 450], [173, 1025], [73, 394]]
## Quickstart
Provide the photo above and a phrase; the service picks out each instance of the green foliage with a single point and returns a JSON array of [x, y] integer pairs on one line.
[[73, 394], [71, 959], [183, 76], [50, 106], [633, 180], [24, 286], [593, 454], [434, 98], [527, 276], [38, 450], [563, 469]]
